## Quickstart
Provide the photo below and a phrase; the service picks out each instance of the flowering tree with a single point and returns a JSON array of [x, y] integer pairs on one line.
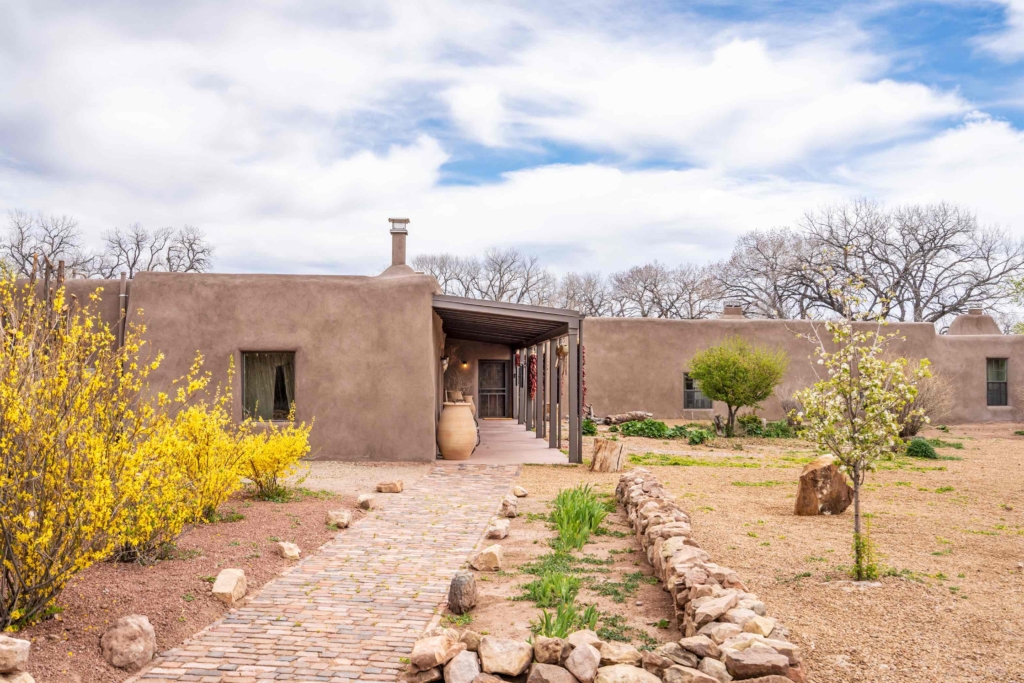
[[853, 412]]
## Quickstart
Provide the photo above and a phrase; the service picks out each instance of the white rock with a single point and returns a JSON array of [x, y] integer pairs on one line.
[[462, 668], [762, 626], [339, 518], [577, 638], [288, 551], [583, 662], [130, 643], [504, 655], [497, 529], [614, 652], [230, 586], [365, 501], [737, 616], [13, 653], [487, 560]]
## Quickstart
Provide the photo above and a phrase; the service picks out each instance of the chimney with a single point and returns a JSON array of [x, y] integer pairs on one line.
[[975, 311], [398, 234], [732, 312]]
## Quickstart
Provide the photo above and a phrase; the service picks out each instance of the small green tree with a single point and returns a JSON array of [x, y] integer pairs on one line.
[[853, 412], [738, 374]]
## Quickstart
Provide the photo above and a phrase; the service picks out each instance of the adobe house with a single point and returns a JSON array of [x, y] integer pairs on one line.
[[363, 356], [367, 356]]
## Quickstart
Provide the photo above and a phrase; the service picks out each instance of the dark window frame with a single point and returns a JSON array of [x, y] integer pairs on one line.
[[693, 399], [997, 393], [247, 413]]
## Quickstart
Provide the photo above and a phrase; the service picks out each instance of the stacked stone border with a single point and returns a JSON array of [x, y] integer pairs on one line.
[[711, 602]]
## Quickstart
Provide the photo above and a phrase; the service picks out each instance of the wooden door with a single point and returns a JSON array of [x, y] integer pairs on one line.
[[493, 388]]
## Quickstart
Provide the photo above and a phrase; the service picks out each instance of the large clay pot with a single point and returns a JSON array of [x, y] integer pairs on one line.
[[456, 431]]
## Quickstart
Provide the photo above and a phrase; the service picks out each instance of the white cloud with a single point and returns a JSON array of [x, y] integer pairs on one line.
[[1008, 43], [291, 135]]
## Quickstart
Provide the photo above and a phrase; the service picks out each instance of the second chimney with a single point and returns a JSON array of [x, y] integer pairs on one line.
[[398, 234]]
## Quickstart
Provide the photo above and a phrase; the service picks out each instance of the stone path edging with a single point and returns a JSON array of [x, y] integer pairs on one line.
[[353, 609]]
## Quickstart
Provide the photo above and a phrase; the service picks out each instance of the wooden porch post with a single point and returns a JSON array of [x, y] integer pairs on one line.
[[575, 440], [552, 395]]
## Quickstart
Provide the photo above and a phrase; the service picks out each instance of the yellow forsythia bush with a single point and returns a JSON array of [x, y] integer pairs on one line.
[[271, 452], [71, 421]]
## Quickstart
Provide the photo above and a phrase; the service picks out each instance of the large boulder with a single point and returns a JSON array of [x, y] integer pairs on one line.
[[712, 608], [719, 632], [13, 653], [497, 529], [551, 650], [754, 661], [676, 653], [130, 643], [462, 592], [656, 663], [229, 587], [614, 652], [462, 668], [471, 639], [548, 673], [487, 560], [583, 662], [715, 669], [823, 489], [702, 646], [394, 486], [504, 655], [434, 651], [624, 673], [577, 638]]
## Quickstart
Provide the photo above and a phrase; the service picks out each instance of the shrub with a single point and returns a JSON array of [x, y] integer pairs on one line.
[[738, 374], [210, 456], [613, 428], [577, 514], [699, 435], [564, 621], [751, 424], [270, 453], [780, 429], [589, 427], [651, 429], [920, 448], [73, 418], [934, 401]]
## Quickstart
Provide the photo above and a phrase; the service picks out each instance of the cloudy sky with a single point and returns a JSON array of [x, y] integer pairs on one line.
[[595, 134]]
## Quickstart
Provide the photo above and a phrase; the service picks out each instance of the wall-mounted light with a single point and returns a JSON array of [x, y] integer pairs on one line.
[[465, 364]]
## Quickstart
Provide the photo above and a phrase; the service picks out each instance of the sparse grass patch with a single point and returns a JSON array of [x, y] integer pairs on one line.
[[662, 459], [759, 483]]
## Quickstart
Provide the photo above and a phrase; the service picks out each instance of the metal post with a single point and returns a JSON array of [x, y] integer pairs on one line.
[[541, 393], [530, 403], [520, 372], [515, 385], [575, 452], [552, 396]]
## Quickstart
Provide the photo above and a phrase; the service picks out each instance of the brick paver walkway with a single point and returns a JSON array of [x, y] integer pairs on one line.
[[354, 608]]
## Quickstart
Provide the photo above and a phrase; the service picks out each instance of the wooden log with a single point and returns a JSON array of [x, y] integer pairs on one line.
[[608, 456], [627, 417]]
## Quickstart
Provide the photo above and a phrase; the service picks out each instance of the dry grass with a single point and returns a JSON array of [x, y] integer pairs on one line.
[[950, 534]]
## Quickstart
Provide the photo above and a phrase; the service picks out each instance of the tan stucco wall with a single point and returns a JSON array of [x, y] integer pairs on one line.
[[638, 363], [365, 349]]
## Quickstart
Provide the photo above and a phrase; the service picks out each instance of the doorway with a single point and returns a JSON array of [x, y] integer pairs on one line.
[[493, 389]]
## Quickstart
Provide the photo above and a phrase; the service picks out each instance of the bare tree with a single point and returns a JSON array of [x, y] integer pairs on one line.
[[501, 275], [456, 275], [135, 249], [918, 263], [695, 292], [640, 291], [584, 292], [762, 274], [31, 239]]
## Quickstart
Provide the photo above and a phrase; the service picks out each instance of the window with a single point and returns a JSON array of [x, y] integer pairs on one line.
[[995, 373], [692, 398], [268, 384]]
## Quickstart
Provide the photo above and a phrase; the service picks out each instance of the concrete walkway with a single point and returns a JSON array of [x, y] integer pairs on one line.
[[353, 609], [506, 442]]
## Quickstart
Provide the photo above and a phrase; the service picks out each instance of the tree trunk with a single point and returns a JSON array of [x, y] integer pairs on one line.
[[634, 415], [730, 426], [608, 456], [858, 541]]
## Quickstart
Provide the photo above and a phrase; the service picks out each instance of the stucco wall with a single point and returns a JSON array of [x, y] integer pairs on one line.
[[471, 352], [365, 356], [638, 364]]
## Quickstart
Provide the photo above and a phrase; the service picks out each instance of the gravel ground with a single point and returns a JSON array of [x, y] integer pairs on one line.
[[948, 533], [175, 593]]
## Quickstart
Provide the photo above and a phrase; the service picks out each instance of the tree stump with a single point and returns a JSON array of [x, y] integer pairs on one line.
[[608, 456], [462, 592]]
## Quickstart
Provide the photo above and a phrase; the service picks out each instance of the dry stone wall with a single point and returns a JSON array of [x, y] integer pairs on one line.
[[723, 624]]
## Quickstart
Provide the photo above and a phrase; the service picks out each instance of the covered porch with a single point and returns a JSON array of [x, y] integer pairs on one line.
[[528, 401]]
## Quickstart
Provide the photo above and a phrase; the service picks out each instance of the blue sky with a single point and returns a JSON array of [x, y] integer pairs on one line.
[[597, 134]]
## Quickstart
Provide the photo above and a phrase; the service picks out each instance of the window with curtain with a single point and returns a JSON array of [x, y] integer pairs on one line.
[[268, 384], [995, 373]]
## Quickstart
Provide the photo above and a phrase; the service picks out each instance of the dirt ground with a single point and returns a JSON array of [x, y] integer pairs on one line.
[[949, 536], [175, 593]]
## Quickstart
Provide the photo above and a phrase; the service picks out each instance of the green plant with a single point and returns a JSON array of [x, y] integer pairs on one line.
[[564, 621], [651, 429], [613, 428], [738, 374], [577, 513], [865, 568], [458, 619], [920, 448], [551, 590], [1019, 432], [589, 427], [939, 443]]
